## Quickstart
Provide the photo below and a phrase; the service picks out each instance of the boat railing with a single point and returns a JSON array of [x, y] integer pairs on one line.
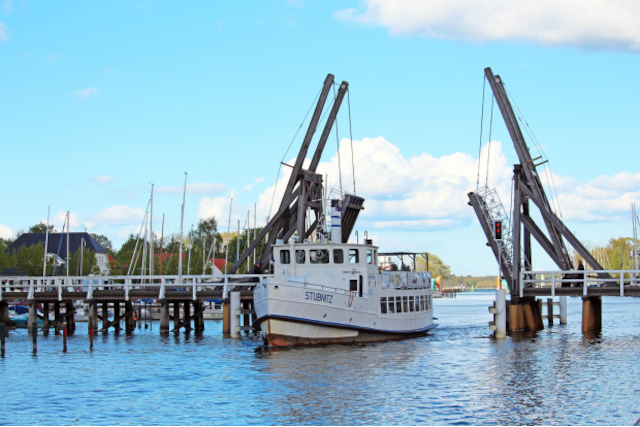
[[585, 279], [88, 284], [405, 279]]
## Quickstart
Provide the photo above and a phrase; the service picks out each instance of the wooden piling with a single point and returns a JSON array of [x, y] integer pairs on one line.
[[34, 338], [105, 316], [591, 314], [116, 314], [33, 317], [246, 318], [176, 316], [2, 334], [164, 317], [56, 316], [226, 317], [187, 315], [520, 313], [550, 311], [529, 317], [45, 320], [513, 317], [64, 336]]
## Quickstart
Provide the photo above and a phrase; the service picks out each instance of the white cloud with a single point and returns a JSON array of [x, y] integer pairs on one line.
[[614, 24], [247, 187], [217, 207], [60, 219], [199, 188], [3, 32], [102, 179], [259, 180], [54, 57], [119, 215], [405, 193], [6, 232], [86, 93], [606, 198]]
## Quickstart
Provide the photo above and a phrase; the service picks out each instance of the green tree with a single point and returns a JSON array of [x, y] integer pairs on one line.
[[30, 259], [41, 228], [89, 261], [436, 266], [104, 242], [6, 260]]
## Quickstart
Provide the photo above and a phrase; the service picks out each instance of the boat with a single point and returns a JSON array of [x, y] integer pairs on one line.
[[21, 320], [325, 292]]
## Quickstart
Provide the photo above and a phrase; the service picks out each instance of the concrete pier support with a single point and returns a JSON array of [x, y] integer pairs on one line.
[[234, 321], [164, 317], [563, 310], [501, 313], [591, 314]]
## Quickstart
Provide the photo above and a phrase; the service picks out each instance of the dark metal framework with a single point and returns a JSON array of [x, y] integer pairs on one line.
[[305, 189], [527, 188]]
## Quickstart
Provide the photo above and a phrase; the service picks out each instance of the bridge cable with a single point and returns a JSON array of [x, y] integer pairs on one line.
[[337, 141], [288, 148], [484, 82], [353, 168]]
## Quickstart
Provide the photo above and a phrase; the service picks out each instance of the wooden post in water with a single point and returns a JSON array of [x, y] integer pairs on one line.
[[226, 316], [187, 315], [116, 313], [164, 317], [45, 320], [176, 316], [246, 317], [64, 336], [550, 311], [2, 333], [34, 338], [105, 316], [56, 316], [513, 317], [591, 314], [33, 317]]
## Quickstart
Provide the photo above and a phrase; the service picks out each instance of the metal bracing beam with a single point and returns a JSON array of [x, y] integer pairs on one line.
[[264, 231], [517, 206], [527, 165], [327, 128], [559, 225], [538, 234], [505, 268]]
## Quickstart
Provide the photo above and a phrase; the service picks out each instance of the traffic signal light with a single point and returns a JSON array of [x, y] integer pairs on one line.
[[497, 230]]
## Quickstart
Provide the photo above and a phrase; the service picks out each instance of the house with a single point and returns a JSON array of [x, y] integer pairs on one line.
[[57, 246]]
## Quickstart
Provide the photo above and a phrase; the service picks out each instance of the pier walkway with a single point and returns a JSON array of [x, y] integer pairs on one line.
[[585, 283]]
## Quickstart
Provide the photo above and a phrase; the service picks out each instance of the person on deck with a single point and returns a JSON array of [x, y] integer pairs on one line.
[[255, 270]]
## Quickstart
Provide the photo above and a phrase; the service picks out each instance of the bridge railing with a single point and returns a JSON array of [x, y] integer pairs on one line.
[[584, 279], [88, 284]]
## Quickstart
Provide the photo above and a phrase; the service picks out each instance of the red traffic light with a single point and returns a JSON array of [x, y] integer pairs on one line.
[[497, 230]]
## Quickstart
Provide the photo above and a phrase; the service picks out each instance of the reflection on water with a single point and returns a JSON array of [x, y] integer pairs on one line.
[[457, 375]]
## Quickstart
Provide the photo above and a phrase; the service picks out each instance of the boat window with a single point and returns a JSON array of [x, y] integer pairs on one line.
[[353, 256], [319, 256], [392, 307], [338, 256], [285, 257], [300, 256], [353, 285], [428, 302], [383, 305], [375, 257], [405, 305], [361, 286], [417, 303], [369, 256], [398, 305], [411, 306], [421, 302]]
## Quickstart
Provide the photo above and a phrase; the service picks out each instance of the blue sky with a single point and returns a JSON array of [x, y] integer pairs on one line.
[[100, 99]]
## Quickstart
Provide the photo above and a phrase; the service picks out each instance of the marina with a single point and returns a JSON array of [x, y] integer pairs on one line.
[[458, 375]]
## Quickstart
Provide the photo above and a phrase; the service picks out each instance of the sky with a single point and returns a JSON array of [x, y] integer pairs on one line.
[[99, 100]]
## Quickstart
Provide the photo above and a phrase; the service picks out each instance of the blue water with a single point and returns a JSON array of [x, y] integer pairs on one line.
[[457, 375]]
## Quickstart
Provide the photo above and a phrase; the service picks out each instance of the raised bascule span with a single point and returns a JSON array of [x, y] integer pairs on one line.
[[513, 252]]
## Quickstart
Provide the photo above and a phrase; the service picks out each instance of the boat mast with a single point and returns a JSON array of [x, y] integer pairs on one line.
[[184, 192], [151, 237], [161, 243], [255, 207], [226, 251], [46, 245], [68, 226]]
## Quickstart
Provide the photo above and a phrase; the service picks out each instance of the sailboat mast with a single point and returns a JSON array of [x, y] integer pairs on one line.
[[161, 243], [255, 208], [184, 192], [237, 245], [46, 244], [151, 236], [68, 226], [226, 251]]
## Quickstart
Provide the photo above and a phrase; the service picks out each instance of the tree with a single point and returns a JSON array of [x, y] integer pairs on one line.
[[6, 260], [104, 242], [30, 259], [41, 228], [436, 266], [89, 261]]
